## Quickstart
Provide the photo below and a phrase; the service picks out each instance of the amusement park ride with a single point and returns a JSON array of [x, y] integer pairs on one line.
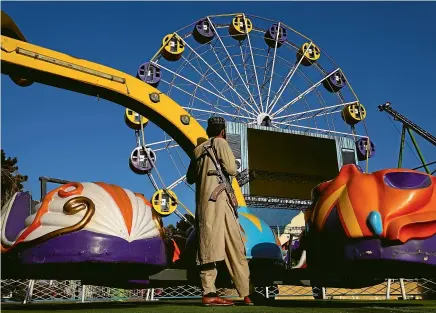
[[360, 227]]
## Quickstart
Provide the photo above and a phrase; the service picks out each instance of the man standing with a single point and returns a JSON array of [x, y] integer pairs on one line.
[[218, 229]]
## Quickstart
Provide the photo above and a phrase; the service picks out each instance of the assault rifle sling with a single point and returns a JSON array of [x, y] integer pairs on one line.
[[224, 184]]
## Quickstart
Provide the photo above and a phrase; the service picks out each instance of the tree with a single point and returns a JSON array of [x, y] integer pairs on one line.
[[181, 228], [170, 231], [12, 181]]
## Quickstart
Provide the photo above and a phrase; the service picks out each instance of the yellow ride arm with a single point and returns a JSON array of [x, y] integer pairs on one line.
[[31, 62]]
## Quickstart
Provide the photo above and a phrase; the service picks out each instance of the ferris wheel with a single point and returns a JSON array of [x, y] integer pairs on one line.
[[249, 70]]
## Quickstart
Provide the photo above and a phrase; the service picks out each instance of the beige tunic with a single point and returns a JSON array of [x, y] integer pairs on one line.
[[215, 219]]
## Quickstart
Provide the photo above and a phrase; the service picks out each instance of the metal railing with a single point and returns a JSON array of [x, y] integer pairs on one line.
[[33, 291]]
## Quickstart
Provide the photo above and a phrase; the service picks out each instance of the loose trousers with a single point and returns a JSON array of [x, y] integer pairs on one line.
[[235, 258]]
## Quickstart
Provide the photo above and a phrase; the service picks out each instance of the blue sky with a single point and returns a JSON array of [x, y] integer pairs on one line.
[[386, 50]]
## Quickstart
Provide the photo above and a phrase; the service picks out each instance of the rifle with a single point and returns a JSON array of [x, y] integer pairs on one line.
[[224, 183]]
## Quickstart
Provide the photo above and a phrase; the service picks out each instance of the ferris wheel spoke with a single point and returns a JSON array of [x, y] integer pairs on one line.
[[317, 92], [233, 84], [307, 106], [223, 67], [175, 165], [247, 81], [313, 113], [153, 181], [181, 159], [216, 73], [162, 145], [180, 68], [220, 62], [231, 60], [273, 66], [199, 64], [220, 113], [158, 143], [244, 65], [226, 87], [281, 59], [205, 95], [252, 59], [204, 78], [287, 81], [265, 70], [177, 182], [303, 94], [203, 88], [165, 148], [186, 60], [244, 62], [193, 97], [266, 79]]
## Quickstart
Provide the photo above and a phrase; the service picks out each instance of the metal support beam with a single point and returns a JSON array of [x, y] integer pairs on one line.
[[44, 180], [388, 289], [277, 203], [417, 168], [324, 293], [29, 292], [408, 123], [83, 293], [421, 157], [403, 289], [400, 156]]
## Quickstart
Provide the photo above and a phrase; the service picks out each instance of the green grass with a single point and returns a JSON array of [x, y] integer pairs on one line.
[[294, 306]]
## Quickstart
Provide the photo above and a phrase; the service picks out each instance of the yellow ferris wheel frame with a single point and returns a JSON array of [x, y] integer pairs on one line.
[[20, 58]]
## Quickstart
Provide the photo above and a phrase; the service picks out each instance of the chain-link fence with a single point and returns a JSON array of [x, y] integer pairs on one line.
[[14, 290], [101, 293], [26, 291]]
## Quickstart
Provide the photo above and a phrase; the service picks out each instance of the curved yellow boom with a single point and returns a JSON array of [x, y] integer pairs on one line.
[[38, 64]]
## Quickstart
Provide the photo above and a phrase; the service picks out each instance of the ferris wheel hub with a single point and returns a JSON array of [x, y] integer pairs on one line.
[[264, 119]]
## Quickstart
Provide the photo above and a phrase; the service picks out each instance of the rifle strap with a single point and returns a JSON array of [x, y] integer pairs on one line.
[[214, 154], [230, 193]]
